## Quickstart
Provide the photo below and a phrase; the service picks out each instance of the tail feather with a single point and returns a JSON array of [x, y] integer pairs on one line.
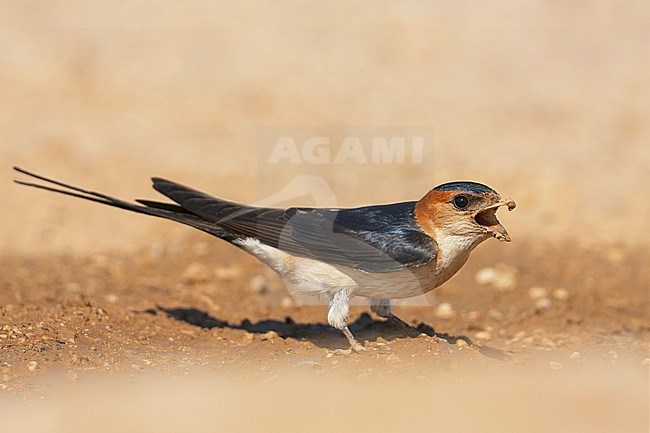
[[161, 210], [164, 206], [208, 207]]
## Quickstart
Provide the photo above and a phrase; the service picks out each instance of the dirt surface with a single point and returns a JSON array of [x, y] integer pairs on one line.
[[523, 335], [111, 321], [200, 303]]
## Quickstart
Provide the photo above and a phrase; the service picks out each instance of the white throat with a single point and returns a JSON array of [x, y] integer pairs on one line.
[[453, 252]]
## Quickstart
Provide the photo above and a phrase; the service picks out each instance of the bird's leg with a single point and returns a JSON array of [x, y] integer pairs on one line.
[[383, 308], [338, 314]]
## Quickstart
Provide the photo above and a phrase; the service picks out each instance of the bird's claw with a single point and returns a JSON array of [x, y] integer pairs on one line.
[[354, 344], [358, 348]]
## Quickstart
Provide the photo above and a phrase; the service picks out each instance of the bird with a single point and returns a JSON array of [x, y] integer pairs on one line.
[[381, 252]]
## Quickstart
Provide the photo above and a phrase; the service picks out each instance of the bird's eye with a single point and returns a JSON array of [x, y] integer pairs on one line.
[[461, 201]]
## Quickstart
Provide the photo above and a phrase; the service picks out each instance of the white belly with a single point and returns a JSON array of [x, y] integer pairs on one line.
[[312, 276], [410, 282], [303, 275], [395, 285]]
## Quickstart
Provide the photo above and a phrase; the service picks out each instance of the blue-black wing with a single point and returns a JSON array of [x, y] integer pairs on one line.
[[373, 239], [383, 238]]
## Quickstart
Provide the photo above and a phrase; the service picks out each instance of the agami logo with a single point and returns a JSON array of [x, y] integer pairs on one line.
[[352, 149]]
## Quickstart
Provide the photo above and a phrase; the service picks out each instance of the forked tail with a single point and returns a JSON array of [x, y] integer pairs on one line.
[[168, 211]]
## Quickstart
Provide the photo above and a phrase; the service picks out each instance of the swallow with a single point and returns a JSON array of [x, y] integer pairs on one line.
[[382, 252]]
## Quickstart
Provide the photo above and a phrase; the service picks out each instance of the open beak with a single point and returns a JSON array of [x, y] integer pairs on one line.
[[487, 218]]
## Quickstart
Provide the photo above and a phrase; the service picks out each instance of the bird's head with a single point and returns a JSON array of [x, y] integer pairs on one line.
[[466, 209]]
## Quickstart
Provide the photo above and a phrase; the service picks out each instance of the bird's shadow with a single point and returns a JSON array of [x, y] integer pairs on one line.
[[365, 328]]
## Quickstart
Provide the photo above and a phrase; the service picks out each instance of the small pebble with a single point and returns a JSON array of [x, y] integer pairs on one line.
[[287, 302], [503, 278], [460, 343], [543, 304], [195, 273], [483, 335], [392, 358], [555, 365], [646, 362], [385, 349], [485, 276], [561, 294], [495, 314], [547, 342], [445, 311], [227, 272], [575, 355], [32, 366], [537, 292], [308, 363], [257, 284], [269, 336]]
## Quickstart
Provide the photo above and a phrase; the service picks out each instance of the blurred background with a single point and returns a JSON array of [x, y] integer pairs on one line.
[[546, 102], [110, 313]]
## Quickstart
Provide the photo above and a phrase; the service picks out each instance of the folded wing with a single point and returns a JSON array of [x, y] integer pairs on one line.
[[372, 239]]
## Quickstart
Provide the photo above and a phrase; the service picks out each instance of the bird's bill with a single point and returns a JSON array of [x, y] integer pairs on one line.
[[487, 219]]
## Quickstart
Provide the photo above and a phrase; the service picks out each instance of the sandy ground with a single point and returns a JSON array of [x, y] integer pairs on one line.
[[193, 320], [111, 321]]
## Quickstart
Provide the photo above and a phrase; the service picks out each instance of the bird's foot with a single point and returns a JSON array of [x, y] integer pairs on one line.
[[383, 308], [358, 348], [354, 344]]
